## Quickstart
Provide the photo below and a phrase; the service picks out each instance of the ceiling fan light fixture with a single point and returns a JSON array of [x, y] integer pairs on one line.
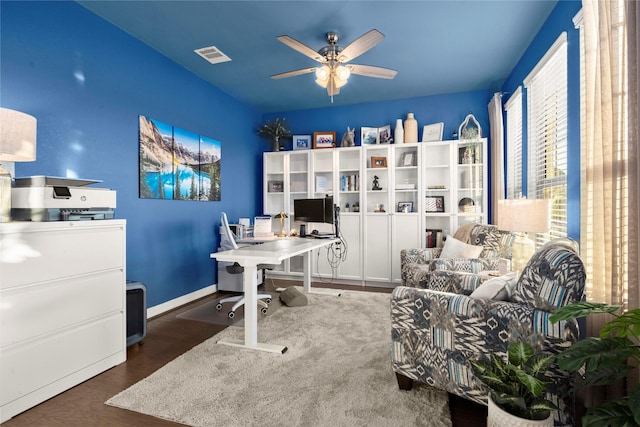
[[323, 73], [343, 73]]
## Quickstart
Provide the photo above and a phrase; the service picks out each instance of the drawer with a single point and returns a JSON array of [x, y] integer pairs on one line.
[[50, 254], [31, 311], [26, 368]]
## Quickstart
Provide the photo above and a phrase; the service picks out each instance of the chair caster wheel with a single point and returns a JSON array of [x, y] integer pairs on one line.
[[218, 306], [264, 310], [231, 314], [268, 300]]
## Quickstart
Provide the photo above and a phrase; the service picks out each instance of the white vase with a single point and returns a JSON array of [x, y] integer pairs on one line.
[[410, 129], [398, 133], [498, 417]]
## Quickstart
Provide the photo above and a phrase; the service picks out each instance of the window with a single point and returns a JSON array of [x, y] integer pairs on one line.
[[547, 135], [513, 108]]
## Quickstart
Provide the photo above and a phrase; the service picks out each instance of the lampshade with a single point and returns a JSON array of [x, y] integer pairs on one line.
[[281, 215], [17, 136], [524, 215], [332, 76]]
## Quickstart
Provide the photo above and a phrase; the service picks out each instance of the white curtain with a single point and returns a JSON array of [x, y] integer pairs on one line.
[[609, 205], [497, 152]]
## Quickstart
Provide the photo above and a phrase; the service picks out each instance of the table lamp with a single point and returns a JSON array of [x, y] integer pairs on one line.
[[17, 144], [282, 216], [523, 216]]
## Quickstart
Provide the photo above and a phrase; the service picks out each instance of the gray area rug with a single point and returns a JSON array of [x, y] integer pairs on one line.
[[336, 372]]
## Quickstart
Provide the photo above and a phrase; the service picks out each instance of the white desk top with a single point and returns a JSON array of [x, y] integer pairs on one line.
[[271, 252]]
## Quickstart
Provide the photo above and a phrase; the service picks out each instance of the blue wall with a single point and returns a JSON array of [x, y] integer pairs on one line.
[[86, 82], [560, 19]]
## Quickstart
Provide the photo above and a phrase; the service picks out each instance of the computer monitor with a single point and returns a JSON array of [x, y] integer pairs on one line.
[[313, 210]]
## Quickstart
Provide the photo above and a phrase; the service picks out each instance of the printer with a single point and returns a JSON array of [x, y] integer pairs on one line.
[[45, 198]]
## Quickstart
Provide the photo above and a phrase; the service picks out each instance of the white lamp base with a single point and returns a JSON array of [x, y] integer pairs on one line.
[[521, 251]]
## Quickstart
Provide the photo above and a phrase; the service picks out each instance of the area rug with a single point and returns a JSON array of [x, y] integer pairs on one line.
[[336, 372], [208, 313]]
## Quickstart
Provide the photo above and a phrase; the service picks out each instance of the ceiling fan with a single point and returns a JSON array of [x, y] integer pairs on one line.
[[334, 71]]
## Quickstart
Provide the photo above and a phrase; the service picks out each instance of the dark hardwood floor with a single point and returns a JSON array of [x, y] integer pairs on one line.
[[167, 338]]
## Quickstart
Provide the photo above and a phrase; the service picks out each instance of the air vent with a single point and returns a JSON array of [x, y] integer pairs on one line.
[[212, 54]]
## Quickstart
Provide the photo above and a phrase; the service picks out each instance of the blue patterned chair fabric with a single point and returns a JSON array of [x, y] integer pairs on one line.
[[417, 264], [436, 331]]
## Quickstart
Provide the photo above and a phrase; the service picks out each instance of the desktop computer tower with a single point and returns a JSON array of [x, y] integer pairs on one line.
[[136, 312]]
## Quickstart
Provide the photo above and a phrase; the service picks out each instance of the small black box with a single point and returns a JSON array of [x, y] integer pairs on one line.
[[136, 312]]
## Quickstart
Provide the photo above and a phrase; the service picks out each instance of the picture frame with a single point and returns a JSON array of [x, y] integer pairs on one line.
[[301, 142], [368, 135], [408, 159], [378, 162], [384, 134], [434, 204], [275, 186], [406, 207], [432, 132], [324, 139]]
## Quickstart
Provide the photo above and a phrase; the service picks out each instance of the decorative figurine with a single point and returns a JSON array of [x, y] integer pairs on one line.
[[348, 139], [376, 184]]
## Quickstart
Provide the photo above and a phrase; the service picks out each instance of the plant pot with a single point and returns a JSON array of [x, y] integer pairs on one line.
[[498, 417]]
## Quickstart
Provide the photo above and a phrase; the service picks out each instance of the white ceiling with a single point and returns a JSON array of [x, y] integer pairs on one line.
[[437, 47]]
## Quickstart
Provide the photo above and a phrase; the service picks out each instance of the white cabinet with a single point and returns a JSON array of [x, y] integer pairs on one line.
[[62, 311]]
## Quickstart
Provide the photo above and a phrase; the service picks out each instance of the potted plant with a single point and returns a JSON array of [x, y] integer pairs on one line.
[[517, 387], [274, 130], [604, 360]]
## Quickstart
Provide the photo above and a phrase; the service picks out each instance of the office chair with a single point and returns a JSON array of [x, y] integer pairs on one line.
[[227, 243]]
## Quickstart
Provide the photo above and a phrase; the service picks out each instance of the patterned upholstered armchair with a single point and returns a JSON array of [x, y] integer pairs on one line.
[[435, 333], [416, 264]]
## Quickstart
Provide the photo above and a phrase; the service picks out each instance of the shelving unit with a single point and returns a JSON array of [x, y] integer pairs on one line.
[[378, 223]]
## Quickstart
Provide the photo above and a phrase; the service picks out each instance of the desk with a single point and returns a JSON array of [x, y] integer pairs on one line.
[[272, 252]]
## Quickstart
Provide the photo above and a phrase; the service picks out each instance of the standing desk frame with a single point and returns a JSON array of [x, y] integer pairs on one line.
[[272, 252]]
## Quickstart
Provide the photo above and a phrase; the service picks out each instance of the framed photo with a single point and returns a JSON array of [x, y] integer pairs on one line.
[[434, 204], [384, 134], [378, 162], [368, 135], [275, 186], [432, 132], [405, 207], [408, 159], [301, 142], [324, 139]]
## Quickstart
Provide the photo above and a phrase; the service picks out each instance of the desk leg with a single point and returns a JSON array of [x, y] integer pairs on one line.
[[250, 282], [306, 284]]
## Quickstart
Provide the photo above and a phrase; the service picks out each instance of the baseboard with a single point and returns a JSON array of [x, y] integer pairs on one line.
[[159, 309]]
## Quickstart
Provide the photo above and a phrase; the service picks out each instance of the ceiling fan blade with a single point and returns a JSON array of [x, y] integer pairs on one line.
[[294, 73], [300, 47], [371, 71], [360, 45]]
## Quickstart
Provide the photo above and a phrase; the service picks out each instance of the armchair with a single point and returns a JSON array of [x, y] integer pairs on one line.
[[416, 264], [434, 333]]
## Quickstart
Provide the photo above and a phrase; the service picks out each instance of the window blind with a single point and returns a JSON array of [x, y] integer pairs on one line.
[[513, 108], [547, 136]]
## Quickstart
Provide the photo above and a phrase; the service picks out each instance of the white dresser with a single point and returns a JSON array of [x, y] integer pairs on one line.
[[62, 307]]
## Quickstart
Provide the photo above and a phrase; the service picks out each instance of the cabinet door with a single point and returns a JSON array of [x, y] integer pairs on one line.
[[274, 183], [349, 167], [406, 235], [378, 183], [377, 265], [351, 232], [471, 179], [438, 205], [406, 178]]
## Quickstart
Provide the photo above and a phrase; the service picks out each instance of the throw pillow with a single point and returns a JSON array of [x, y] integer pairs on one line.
[[496, 288], [454, 248]]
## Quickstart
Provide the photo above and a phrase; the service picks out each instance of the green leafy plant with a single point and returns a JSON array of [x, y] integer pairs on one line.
[[518, 385], [604, 360]]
